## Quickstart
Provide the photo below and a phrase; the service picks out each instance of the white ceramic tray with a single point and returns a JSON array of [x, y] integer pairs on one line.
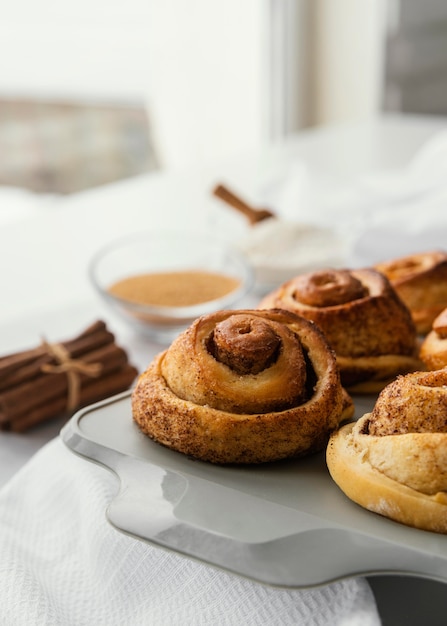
[[285, 524]]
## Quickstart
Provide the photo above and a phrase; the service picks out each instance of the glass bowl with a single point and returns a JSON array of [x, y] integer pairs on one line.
[[160, 282]]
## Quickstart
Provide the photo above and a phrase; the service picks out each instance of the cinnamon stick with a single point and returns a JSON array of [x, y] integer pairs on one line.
[[92, 337], [253, 214], [26, 372], [56, 379], [105, 387], [45, 387]]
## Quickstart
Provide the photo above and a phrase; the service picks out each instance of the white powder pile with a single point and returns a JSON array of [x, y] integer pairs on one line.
[[279, 250]]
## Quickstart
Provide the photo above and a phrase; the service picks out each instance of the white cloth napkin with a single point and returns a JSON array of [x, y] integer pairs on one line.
[[422, 176], [380, 215], [62, 564]]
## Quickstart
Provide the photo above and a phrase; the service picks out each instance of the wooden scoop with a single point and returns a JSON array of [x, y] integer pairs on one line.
[[251, 213]]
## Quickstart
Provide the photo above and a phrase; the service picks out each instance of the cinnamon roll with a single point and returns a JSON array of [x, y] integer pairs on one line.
[[365, 322], [421, 282], [393, 461], [434, 346], [243, 387]]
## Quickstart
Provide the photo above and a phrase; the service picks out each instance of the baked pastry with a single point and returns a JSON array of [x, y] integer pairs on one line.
[[433, 351], [393, 461], [421, 282], [363, 319], [243, 387]]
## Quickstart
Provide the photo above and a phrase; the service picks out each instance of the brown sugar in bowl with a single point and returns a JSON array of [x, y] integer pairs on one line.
[[160, 282]]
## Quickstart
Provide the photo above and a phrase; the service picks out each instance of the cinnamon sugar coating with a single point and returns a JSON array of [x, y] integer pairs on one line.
[[328, 288], [243, 387], [405, 436], [433, 350], [421, 282], [247, 345], [440, 324], [393, 461], [413, 403], [402, 477], [362, 317]]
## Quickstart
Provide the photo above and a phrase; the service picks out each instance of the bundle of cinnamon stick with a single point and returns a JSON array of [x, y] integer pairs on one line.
[[54, 379]]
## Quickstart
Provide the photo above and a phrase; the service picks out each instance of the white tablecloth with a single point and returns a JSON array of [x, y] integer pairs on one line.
[[62, 564]]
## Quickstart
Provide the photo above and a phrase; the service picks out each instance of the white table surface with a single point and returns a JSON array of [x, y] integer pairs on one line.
[[45, 249]]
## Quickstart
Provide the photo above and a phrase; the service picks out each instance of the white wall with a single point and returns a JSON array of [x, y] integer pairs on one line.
[[207, 72], [198, 64], [204, 68], [348, 48], [75, 48]]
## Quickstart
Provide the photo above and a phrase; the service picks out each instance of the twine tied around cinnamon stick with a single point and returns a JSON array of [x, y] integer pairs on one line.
[[73, 368], [28, 396]]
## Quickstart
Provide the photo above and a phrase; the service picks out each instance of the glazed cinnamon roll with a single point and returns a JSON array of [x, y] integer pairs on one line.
[[434, 347], [243, 387], [363, 319], [393, 461], [421, 282]]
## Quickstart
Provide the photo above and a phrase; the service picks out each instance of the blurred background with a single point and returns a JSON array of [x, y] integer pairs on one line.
[[96, 91]]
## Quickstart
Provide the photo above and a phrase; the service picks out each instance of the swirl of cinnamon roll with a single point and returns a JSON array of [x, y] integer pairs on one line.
[[243, 387], [365, 322], [420, 280], [433, 350], [393, 461], [328, 288]]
